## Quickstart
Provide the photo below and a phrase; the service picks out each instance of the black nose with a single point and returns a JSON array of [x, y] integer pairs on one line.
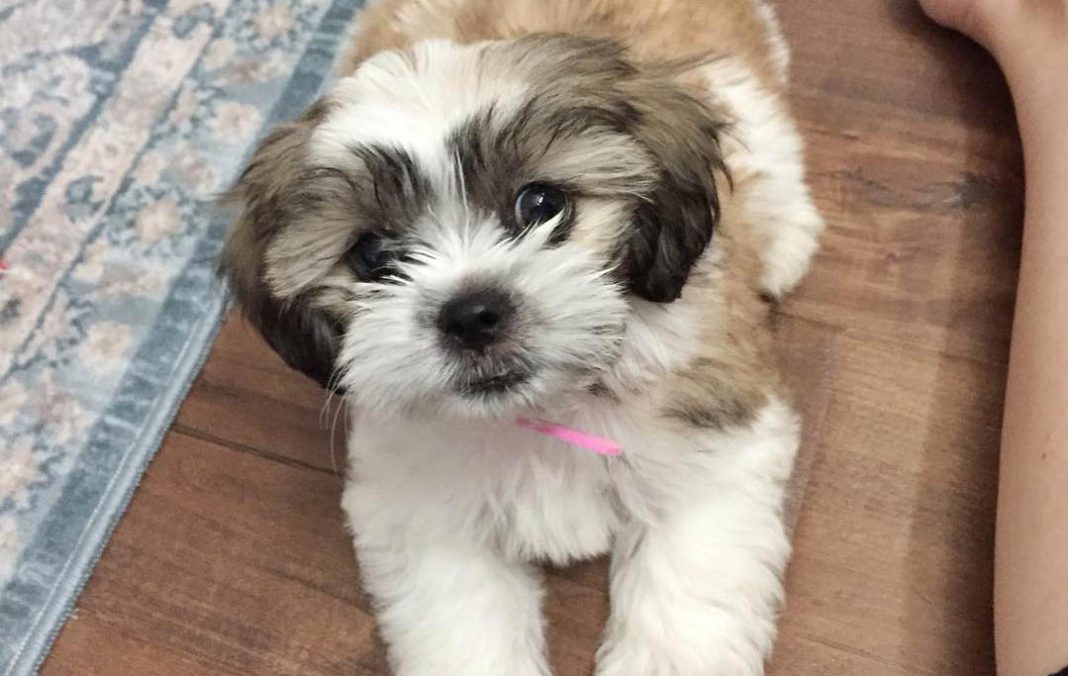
[[476, 319]]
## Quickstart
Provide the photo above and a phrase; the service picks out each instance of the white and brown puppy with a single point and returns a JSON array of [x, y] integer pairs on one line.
[[570, 210]]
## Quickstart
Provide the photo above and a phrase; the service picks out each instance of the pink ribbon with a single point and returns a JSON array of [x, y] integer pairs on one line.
[[598, 445]]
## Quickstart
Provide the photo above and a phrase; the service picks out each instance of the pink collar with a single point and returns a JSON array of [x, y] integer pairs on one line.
[[598, 445]]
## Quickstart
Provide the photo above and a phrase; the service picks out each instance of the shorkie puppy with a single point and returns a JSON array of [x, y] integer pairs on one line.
[[514, 228]]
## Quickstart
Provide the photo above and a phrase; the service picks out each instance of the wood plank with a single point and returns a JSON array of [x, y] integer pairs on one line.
[[225, 563], [246, 397], [895, 541]]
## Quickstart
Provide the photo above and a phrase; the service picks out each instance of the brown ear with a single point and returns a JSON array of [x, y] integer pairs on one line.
[[305, 336], [674, 226]]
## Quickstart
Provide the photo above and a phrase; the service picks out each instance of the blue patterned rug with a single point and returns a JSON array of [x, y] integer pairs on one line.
[[119, 122]]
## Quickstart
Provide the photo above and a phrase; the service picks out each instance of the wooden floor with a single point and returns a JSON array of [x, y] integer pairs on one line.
[[233, 557]]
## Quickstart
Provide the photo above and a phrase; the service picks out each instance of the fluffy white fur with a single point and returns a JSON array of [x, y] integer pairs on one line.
[[764, 146], [445, 537], [412, 102], [449, 516], [573, 313], [452, 504]]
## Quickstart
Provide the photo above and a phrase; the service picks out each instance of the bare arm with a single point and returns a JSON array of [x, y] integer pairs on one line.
[[1029, 38], [1031, 563]]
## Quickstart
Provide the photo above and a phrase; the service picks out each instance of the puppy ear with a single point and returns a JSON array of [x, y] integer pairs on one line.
[[307, 339], [305, 336], [674, 225]]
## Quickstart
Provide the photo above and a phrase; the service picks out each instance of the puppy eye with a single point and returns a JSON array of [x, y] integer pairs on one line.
[[537, 203], [369, 257]]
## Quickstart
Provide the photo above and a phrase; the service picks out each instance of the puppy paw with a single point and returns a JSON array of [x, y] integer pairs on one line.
[[790, 252]]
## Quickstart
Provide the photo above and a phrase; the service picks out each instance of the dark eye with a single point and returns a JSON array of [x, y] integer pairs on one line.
[[538, 203], [369, 257]]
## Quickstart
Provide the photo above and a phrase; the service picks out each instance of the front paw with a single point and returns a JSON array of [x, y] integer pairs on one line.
[[666, 655]]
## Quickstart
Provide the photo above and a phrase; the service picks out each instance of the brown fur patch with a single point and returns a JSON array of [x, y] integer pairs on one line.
[[732, 373], [621, 131], [653, 30], [271, 193]]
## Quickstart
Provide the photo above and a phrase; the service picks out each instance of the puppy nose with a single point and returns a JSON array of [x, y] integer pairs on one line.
[[476, 319]]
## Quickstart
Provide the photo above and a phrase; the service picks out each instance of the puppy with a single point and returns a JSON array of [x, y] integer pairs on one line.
[[570, 211]]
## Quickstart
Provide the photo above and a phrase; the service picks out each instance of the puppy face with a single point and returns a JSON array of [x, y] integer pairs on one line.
[[475, 229]]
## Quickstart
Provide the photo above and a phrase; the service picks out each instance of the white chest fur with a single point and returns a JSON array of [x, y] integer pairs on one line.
[[533, 497], [529, 495]]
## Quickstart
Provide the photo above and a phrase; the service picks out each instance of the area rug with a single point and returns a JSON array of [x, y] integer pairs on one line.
[[119, 122]]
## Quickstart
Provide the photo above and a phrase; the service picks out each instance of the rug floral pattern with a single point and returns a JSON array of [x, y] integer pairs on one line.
[[119, 123]]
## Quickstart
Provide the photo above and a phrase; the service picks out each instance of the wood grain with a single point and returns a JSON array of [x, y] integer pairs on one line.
[[233, 557]]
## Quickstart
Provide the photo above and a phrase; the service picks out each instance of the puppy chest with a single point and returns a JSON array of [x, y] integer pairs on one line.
[[532, 497], [560, 516]]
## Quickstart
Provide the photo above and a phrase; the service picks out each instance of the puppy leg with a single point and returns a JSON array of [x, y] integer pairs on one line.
[[698, 592], [779, 203], [450, 607], [766, 154], [790, 225]]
